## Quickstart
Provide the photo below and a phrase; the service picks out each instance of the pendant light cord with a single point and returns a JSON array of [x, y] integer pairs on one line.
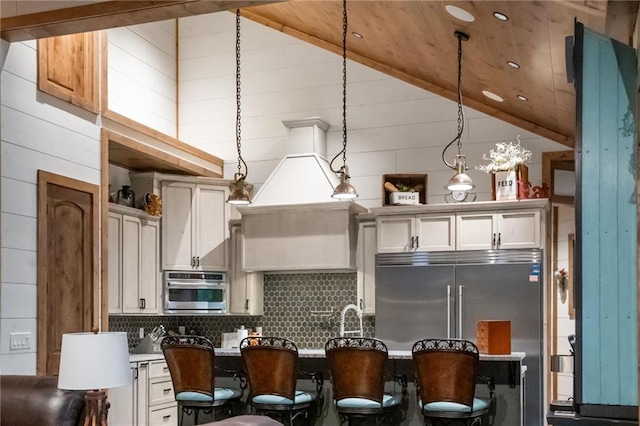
[[344, 92], [461, 36], [241, 161]]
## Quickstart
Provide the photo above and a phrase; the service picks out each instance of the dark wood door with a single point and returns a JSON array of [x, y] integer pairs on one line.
[[67, 263]]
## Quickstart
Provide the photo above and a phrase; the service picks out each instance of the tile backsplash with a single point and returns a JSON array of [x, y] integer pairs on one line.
[[302, 307]]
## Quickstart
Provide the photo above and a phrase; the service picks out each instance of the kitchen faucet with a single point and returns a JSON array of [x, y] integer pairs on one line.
[[360, 331]]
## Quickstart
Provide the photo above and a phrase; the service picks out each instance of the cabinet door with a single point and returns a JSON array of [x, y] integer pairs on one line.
[[246, 288], [142, 396], [475, 231], [131, 258], [178, 226], [395, 234], [123, 402], [435, 233], [150, 268], [366, 267], [519, 229], [115, 263], [212, 220]]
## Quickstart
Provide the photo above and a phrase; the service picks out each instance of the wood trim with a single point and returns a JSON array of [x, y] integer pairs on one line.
[[134, 125], [44, 179], [104, 225], [162, 161], [104, 71], [110, 14], [552, 161], [566, 140], [553, 302]]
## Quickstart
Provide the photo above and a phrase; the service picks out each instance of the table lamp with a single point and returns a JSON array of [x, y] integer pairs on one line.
[[94, 362]]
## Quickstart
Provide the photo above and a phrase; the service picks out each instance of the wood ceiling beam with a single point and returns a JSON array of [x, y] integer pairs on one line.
[[110, 14], [431, 87]]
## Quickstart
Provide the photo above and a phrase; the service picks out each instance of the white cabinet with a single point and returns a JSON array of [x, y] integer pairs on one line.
[[194, 226], [162, 408], [366, 266], [246, 288], [129, 403], [134, 256], [512, 229], [407, 233], [148, 401]]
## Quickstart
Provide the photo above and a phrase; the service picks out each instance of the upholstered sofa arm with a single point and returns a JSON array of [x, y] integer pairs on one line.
[[36, 400]]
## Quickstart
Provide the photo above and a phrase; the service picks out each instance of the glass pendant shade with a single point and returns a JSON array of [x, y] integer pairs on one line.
[[344, 190], [238, 195], [460, 181]]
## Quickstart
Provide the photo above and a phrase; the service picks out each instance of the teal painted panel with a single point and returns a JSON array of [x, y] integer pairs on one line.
[[609, 225]]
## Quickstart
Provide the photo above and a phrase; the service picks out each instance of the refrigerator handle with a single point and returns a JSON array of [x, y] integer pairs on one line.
[[460, 336], [448, 312]]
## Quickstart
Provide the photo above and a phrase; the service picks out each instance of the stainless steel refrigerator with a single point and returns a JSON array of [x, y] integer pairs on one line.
[[443, 294]]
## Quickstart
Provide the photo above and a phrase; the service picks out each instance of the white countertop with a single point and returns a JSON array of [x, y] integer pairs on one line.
[[393, 354], [146, 357]]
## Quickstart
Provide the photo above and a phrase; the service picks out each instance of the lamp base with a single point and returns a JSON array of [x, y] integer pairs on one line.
[[96, 408]]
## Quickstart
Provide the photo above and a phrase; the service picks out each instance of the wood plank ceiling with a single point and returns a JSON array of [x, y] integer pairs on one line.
[[412, 40]]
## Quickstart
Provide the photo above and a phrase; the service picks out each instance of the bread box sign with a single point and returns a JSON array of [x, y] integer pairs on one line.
[[404, 198]]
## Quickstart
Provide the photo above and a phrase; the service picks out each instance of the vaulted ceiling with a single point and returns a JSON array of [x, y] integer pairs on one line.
[[412, 40]]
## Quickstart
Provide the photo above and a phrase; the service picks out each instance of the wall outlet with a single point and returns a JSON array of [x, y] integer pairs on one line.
[[141, 332], [19, 341]]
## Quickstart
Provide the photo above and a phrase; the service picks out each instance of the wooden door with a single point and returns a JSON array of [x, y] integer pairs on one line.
[[68, 297]]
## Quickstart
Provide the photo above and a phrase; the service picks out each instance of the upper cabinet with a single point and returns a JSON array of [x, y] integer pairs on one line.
[[195, 226], [464, 226], [499, 230], [134, 267], [422, 232]]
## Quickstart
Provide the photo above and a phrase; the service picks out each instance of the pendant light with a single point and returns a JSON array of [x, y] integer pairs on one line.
[[344, 190], [460, 182], [238, 195]]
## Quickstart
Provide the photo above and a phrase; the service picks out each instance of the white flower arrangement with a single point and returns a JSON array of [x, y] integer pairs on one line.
[[506, 156]]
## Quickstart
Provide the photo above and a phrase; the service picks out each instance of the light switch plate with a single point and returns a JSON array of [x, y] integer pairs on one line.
[[18, 341]]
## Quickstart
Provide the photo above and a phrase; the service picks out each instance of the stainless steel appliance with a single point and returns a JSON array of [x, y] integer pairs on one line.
[[193, 293], [444, 294]]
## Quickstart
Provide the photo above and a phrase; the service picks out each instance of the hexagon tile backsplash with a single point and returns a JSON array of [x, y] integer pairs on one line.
[[302, 307]]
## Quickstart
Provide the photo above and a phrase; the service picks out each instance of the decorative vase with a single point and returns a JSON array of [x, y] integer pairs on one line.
[[126, 196]]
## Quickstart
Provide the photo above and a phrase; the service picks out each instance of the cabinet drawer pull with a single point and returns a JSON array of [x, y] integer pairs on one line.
[[417, 241], [165, 418], [499, 240], [198, 261], [165, 369], [413, 241], [166, 391], [493, 241]]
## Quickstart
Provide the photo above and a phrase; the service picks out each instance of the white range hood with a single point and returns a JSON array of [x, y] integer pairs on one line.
[[304, 175], [293, 223]]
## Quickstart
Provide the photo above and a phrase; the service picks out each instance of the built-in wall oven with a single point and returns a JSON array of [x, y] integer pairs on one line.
[[195, 293]]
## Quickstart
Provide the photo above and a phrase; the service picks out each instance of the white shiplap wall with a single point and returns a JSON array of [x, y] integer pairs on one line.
[[142, 74], [393, 127], [38, 132]]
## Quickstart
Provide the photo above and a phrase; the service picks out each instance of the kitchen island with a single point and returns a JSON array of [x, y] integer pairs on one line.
[[507, 371]]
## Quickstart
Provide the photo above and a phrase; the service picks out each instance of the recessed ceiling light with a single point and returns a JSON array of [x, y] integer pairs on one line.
[[358, 35], [513, 64], [522, 98], [492, 96], [500, 16], [459, 13]]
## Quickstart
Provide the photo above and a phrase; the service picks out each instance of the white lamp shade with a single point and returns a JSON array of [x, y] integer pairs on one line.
[[94, 361]]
